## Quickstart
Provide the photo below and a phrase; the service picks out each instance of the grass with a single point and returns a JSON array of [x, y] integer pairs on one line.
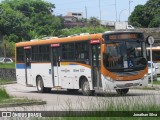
[[125, 106], [149, 88], [156, 82], [7, 65], [5, 81], [9, 101], [3, 94]]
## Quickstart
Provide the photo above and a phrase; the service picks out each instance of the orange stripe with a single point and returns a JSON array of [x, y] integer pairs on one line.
[[76, 63], [60, 40], [119, 78]]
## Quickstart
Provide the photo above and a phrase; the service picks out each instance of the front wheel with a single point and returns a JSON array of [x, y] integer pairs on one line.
[[86, 88], [122, 91]]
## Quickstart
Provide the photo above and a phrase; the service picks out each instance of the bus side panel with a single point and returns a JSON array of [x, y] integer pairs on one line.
[[20, 74], [43, 70], [70, 75]]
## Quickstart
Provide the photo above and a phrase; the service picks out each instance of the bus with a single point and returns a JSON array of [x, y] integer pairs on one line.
[[90, 62], [155, 57]]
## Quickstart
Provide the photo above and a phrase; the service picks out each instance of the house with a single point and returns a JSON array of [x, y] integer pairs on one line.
[[73, 20], [75, 14]]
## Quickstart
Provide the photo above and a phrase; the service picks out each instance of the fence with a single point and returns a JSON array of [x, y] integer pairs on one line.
[[9, 74]]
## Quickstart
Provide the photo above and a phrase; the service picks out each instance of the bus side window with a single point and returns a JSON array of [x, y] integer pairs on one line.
[[82, 51], [20, 54], [68, 51]]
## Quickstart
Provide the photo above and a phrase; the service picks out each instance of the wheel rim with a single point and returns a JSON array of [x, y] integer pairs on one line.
[[86, 86], [39, 85]]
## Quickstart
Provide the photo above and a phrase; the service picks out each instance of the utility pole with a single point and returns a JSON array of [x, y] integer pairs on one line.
[[86, 12], [129, 6], [116, 9], [4, 45], [100, 10]]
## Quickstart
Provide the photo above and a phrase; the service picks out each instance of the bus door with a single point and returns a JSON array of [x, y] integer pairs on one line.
[[56, 64], [27, 52], [96, 74]]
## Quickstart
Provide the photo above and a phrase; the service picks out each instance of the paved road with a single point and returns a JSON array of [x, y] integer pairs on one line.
[[63, 100]]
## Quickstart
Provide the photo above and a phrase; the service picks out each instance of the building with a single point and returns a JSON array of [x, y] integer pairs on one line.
[[73, 19], [70, 19], [75, 14]]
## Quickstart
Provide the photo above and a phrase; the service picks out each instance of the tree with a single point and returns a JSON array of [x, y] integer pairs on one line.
[[78, 30], [146, 15], [9, 47], [30, 7], [20, 17], [93, 21], [13, 22]]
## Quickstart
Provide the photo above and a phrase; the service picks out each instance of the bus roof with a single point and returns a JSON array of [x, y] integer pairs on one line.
[[120, 31], [84, 37], [60, 40]]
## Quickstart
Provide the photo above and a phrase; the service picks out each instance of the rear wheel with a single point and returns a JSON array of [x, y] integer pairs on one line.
[[40, 86], [122, 91], [86, 88]]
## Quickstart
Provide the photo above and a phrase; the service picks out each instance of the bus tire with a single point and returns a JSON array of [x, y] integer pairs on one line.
[[122, 91], [86, 88], [40, 86]]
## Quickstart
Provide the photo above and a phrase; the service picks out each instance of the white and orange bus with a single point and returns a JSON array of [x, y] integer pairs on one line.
[[155, 57], [89, 62]]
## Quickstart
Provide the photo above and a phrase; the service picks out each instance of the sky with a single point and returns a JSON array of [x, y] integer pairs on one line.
[[107, 8], [93, 8]]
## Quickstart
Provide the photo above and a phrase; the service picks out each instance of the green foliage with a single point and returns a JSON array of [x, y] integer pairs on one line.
[[7, 65], [5, 81], [78, 30], [156, 82], [147, 15], [3, 94], [155, 21], [23, 20], [93, 21], [9, 45]]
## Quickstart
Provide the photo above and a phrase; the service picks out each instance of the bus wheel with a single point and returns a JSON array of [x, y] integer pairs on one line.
[[72, 90], [40, 86], [122, 91], [86, 89]]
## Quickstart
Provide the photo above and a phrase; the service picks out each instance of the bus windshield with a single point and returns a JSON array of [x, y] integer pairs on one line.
[[121, 56]]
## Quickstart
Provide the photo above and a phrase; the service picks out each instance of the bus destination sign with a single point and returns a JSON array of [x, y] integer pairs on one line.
[[123, 36]]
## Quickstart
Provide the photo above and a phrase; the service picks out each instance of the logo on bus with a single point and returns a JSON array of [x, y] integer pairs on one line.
[[130, 63]]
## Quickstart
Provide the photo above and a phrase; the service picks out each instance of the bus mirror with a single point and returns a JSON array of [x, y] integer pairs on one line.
[[103, 48]]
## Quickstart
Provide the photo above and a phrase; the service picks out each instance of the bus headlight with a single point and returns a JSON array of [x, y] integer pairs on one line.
[[144, 76], [109, 79]]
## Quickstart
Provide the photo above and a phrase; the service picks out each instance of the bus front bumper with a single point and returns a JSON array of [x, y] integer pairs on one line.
[[114, 84]]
